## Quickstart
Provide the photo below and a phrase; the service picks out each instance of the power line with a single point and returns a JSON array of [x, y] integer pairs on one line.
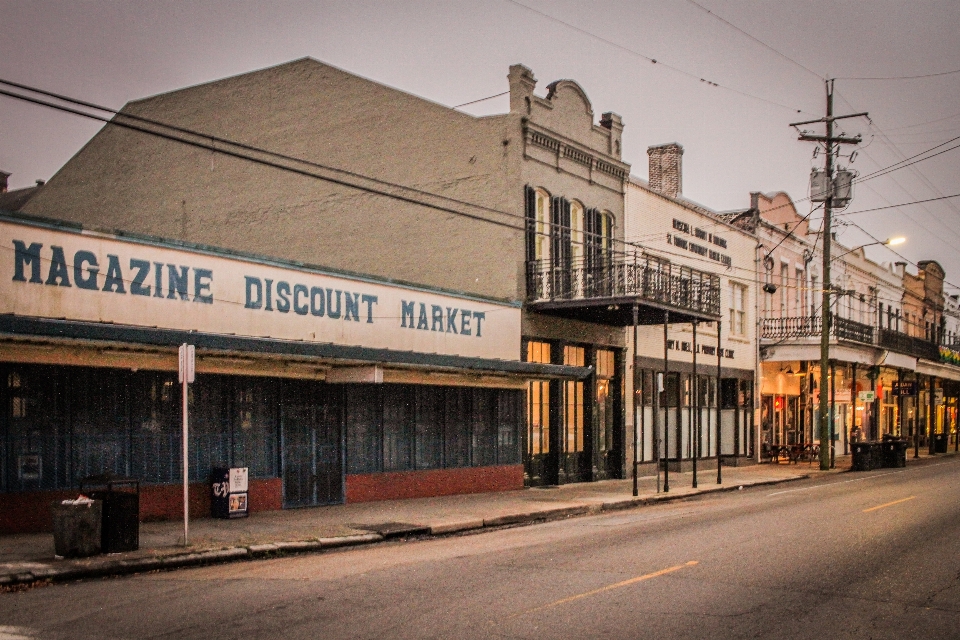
[[481, 100], [925, 75], [276, 165], [893, 167], [757, 40], [894, 206], [215, 144], [904, 258], [204, 137], [633, 52], [920, 124]]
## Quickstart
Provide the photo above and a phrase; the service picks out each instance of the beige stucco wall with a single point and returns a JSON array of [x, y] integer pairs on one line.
[[649, 224]]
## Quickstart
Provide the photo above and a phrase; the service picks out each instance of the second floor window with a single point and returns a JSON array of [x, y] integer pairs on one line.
[[738, 307]]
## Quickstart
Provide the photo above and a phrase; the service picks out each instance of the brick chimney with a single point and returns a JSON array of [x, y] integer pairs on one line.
[[3, 181], [666, 172]]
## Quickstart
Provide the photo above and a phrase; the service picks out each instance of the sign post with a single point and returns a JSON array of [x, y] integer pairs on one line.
[[187, 373]]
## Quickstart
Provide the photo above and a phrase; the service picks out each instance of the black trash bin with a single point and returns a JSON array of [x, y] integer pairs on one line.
[[120, 495], [77, 528], [866, 456], [939, 443], [894, 452]]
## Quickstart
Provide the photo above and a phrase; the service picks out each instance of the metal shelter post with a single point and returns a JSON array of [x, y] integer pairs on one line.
[[637, 442], [719, 430], [695, 426], [833, 409], [931, 415], [666, 442]]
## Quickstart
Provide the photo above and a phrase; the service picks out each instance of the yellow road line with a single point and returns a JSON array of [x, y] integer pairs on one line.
[[889, 504], [625, 583]]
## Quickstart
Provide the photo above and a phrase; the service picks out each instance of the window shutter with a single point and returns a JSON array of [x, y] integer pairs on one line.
[[591, 224], [530, 198], [556, 230]]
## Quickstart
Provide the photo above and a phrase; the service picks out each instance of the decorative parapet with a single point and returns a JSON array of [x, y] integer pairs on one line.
[[577, 153]]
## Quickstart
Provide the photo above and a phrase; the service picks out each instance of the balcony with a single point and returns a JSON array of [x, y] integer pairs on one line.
[[910, 345], [811, 327], [606, 292], [784, 329]]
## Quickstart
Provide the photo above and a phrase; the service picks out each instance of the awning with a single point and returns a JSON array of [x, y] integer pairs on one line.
[[23, 327]]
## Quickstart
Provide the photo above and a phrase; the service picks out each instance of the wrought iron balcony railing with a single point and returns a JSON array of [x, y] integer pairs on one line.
[[845, 329], [910, 345], [811, 327], [648, 278]]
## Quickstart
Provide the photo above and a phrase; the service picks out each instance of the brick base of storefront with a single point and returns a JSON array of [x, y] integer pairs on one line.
[[30, 512], [439, 482]]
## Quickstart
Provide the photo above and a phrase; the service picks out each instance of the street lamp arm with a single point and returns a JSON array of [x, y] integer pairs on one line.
[[889, 242]]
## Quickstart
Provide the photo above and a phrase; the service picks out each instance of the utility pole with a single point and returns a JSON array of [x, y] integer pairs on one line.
[[829, 140]]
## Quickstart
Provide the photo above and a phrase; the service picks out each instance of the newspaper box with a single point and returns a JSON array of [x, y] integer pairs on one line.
[[228, 498]]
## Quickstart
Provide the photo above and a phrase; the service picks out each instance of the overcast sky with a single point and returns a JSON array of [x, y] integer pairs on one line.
[[736, 135]]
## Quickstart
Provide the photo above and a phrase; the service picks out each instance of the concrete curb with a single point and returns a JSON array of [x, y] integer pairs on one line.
[[106, 566]]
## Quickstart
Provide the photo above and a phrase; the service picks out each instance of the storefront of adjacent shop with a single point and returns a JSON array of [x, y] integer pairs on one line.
[[328, 387]]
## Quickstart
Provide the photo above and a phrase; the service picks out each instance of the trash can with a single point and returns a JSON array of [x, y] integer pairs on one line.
[[120, 495], [894, 453], [939, 443], [866, 456], [229, 493], [76, 528]]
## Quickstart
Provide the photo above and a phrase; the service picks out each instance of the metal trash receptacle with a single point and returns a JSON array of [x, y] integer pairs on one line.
[[894, 453], [77, 529], [121, 510], [940, 443], [866, 456]]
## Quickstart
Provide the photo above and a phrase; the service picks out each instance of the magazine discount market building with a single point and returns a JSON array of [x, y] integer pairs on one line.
[[329, 387]]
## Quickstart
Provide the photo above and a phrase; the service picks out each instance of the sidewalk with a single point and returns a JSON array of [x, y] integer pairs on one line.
[[28, 558]]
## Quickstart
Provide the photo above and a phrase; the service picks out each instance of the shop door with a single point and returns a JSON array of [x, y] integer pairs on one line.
[[604, 421], [576, 465], [311, 436], [539, 465]]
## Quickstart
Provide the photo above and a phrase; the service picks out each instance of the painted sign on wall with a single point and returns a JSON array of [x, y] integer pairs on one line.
[[54, 273]]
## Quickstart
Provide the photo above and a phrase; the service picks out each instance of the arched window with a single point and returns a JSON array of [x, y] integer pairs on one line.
[[538, 224]]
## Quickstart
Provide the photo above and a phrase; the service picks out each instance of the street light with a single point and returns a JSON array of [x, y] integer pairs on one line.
[[826, 419], [889, 242]]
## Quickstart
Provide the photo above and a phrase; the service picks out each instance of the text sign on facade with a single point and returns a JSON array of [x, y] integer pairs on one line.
[[904, 388], [54, 273]]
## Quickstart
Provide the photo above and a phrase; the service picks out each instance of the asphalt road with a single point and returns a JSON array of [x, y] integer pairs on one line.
[[867, 555]]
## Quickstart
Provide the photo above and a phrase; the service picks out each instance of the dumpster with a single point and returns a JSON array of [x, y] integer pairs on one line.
[[866, 456], [76, 527], [894, 452], [120, 495], [228, 493], [940, 443]]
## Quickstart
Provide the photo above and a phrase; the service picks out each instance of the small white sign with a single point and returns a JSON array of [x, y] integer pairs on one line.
[[867, 396], [187, 368], [238, 479]]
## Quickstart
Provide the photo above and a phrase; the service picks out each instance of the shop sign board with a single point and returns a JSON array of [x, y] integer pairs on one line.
[[51, 272], [904, 388], [867, 396]]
